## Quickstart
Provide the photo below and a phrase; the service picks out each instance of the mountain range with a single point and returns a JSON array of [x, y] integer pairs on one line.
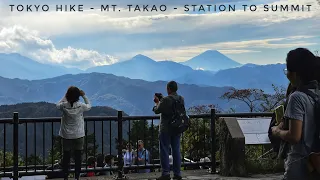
[[211, 68], [143, 67], [135, 97], [17, 66]]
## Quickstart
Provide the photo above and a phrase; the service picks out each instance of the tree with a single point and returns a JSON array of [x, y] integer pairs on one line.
[[196, 140], [34, 160], [90, 145], [256, 99], [270, 102], [144, 130], [9, 159], [251, 97], [56, 151]]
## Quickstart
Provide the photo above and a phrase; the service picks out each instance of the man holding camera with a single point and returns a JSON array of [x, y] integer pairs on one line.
[[165, 107]]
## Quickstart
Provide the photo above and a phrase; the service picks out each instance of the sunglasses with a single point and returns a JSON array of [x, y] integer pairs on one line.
[[285, 71]]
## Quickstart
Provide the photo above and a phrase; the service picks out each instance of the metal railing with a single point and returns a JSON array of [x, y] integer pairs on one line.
[[47, 128]]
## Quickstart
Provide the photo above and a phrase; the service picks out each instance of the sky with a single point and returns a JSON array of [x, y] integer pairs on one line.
[[93, 38]]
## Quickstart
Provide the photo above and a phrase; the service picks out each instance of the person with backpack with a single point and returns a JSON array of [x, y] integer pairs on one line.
[[303, 115], [173, 121], [72, 128]]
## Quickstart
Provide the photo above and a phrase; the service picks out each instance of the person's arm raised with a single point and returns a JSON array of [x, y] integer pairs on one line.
[[160, 106], [61, 102], [87, 105]]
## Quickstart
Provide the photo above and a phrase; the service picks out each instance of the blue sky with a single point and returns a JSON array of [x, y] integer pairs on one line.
[[92, 38]]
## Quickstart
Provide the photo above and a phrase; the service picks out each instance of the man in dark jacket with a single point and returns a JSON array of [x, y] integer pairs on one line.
[[167, 137]]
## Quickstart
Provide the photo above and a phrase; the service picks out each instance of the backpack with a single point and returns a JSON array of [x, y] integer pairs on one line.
[[314, 157], [275, 141], [180, 121]]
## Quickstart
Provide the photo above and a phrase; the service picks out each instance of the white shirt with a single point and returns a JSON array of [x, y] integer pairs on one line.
[[72, 121], [128, 158]]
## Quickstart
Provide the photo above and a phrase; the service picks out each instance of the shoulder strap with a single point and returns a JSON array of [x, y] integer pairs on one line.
[[173, 104], [315, 96]]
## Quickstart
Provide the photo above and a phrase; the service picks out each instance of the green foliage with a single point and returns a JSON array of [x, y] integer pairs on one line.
[[34, 160], [8, 159], [271, 101], [196, 141], [142, 130], [90, 145], [258, 101], [56, 152], [257, 163]]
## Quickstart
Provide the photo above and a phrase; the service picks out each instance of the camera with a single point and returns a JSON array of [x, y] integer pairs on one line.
[[159, 96]]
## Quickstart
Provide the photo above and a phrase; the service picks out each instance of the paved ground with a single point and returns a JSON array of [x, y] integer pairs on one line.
[[192, 175]]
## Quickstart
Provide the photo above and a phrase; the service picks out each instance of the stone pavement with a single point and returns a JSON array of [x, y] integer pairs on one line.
[[192, 175]]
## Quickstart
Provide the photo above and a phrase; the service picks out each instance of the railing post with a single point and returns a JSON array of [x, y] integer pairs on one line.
[[15, 146], [120, 158], [213, 140]]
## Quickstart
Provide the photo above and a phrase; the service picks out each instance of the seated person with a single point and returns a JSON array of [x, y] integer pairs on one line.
[[143, 157], [109, 160]]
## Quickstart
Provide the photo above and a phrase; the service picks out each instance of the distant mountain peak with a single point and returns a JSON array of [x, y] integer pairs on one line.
[[211, 60], [142, 57], [211, 51]]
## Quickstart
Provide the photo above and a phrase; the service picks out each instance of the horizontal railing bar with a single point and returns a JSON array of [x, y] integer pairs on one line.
[[139, 117], [114, 118], [32, 166], [261, 114], [6, 120], [98, 169], [40, 167]]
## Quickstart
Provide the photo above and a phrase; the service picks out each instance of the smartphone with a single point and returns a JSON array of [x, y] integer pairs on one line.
[[279, 111]]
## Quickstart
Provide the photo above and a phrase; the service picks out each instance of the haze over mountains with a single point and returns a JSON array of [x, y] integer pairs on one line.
[[17, 66], [135, 97], [219, 70]]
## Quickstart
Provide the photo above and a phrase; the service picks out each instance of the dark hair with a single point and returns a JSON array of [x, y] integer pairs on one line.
[[100, 159], [108, 158], [73, 95], [304, 63], [91, 161], [173, 86], [290, 90]]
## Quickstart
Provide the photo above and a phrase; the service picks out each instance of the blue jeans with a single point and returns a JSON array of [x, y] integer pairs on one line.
[[167, 140]]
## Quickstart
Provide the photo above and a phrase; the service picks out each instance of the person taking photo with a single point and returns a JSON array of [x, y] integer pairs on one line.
[[72, 128]]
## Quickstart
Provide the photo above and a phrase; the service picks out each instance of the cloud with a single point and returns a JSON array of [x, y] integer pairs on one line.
[[16, 34], [31, 44], [90, 21], [233, 47]]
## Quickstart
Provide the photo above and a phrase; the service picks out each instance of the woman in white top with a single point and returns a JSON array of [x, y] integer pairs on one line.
[[72, 128], [129, 156]]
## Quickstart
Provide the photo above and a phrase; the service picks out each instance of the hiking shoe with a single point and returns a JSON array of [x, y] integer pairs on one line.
[[166, 177], [177, 177]]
